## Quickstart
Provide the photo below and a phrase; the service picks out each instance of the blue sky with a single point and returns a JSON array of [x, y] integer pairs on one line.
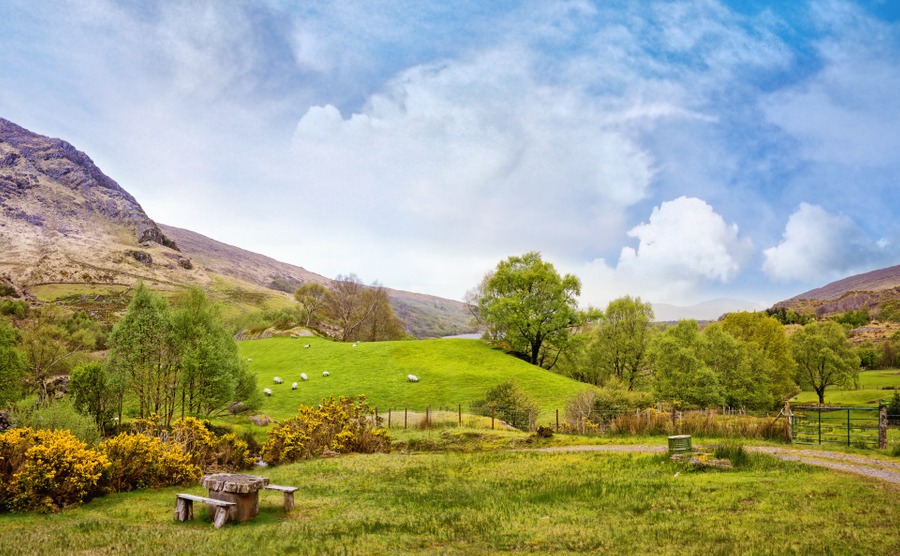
[[680, 151]]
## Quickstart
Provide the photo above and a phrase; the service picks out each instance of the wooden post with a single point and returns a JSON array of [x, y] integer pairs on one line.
[[375, 422], [459, 411], [389, 418], [404, 417], [882, 427], [492, 417], [788, 426], [557, 420]]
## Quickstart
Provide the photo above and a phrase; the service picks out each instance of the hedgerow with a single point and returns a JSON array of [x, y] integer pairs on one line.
[[341, 426]]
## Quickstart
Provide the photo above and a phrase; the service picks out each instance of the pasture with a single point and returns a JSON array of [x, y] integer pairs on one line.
[[873, 386], [493, 501]]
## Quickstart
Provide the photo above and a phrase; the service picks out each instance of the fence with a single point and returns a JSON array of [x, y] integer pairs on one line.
[[863, 427]]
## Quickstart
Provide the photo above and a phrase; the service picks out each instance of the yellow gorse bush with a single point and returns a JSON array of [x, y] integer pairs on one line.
[[47, 469], [139, 461], [342, 426]]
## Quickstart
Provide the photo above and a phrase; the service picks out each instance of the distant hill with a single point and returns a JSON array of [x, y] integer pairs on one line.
[[66, 227], [871, 290], [708, 310]]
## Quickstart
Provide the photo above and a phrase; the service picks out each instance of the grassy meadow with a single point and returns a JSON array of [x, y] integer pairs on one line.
[[450, 371], [477, 503], [871, 389]]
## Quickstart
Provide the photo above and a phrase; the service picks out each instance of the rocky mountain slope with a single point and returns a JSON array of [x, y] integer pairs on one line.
[[63, 221], [871, 290]]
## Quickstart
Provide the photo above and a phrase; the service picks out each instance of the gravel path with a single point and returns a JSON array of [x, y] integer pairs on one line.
[[883, 470]]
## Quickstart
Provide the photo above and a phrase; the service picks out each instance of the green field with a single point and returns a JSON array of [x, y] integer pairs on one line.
[[450, 372], [487, 502], [871, 389]]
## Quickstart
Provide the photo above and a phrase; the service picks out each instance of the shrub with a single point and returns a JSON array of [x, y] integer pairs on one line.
[[47, 469], [893, 409], [56, 414], [209, 451], [510, 403], [139, 461], [341, 426]]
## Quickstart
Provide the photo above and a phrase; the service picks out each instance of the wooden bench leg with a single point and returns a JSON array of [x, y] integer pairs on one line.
[[184, 509], [220, 516], [288, 501]]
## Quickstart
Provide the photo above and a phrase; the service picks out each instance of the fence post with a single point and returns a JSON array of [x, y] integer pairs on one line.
[[375, 421], [459, 410], [389, 418], [882, 427], [404, 417], [820, 424], [557, 420], [788, 425], [492, 417], [848, 427], [427, 416]]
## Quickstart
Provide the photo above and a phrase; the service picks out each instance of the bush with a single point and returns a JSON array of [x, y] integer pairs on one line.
[[341, 426], [139, 461], [510, 403], [893, 409], [47, 469], [196, 438], [56, 414]]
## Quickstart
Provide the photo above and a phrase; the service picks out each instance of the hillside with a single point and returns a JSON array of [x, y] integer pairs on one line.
[[871, 290], [69, 232]]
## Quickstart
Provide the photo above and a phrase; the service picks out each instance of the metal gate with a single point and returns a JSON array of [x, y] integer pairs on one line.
[[849, 426]]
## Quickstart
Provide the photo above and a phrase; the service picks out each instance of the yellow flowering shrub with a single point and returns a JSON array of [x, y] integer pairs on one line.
[[140, 461], [342, 426], [47, 469]]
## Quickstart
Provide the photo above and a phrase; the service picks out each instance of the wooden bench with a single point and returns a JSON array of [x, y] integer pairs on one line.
[[288, 495], [184, 508]]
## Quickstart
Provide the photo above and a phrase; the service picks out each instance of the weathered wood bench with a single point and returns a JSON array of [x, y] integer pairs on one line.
[[184, 508], [288, 495]]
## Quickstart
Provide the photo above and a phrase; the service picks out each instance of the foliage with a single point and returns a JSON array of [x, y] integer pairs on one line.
[[527, 304], [47, 469], [766, 337], [211, 452], [92, 393], [313, 298], [49, 348], [733, 452], [510, 404], [890, 352], [890, 311], [12, 366], [789, 316], [854, 319], [680, 371], [58, 414], [620, 343], [869, 355], [824, 357], [341, 426], [893, 409], [15, 308], [362, 313], [140, 461]]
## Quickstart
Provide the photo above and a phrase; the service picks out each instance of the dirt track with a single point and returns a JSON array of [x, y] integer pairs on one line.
[[884, 470]]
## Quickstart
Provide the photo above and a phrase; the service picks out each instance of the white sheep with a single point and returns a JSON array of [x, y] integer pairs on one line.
[[354, 345], [325, 373], [303, 377], [277, 380], [267, 391], [412, 378], [249, 360], [306, 346], [294, 386]]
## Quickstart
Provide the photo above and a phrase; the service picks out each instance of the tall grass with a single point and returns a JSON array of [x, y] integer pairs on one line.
[[651, 422]]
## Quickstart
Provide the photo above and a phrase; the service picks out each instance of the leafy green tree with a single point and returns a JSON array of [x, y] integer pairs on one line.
[[12, 366], [510, 403], [680, 373], [869, 355], [526, 303], [890, 352], [382, 323], [854, 319], [824, 357], [742, 370], [313, 298], [93, 394], [768, 336], [621, 341], [48, 348]]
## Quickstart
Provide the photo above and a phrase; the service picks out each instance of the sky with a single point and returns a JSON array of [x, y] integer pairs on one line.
[[676, 151]]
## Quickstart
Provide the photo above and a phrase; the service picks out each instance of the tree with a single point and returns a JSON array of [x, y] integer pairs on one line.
[[313, 298], [12, 366], [526, 303], [824, 357], [680, 373], [93, 393], [362, 312], [382, 323], [48, 348], [767, 335], [621, 341]]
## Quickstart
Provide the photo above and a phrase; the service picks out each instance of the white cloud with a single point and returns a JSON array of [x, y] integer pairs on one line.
[[820, 246]]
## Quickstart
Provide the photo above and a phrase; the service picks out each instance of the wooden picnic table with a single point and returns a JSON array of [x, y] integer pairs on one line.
[[239, 488]]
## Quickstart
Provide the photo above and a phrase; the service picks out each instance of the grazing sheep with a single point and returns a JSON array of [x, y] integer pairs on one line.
[[303, 377], [354, 345], [412, 378], [294, 386], [306, 346], [267, 391], [248, 359], [277, 380], [325, 373]]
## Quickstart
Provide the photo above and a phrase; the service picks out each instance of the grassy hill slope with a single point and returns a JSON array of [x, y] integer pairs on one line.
[[450, 372]]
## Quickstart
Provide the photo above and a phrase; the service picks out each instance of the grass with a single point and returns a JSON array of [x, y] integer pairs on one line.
[[450, 371], [476, 503], [871, 389]]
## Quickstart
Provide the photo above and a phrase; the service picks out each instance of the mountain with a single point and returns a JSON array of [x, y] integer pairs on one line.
[[66, 226], [870, 289], [707, 310]]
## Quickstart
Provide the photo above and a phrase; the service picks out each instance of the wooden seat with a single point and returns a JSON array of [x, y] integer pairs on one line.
[[288, 495], [184, 508]]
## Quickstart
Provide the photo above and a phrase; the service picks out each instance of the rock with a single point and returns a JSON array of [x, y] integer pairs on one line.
[[235, 407], [140, 256], [57, 387], [260, 420], [5, 421]]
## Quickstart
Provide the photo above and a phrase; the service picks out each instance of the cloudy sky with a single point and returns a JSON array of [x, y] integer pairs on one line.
[[680, 151]]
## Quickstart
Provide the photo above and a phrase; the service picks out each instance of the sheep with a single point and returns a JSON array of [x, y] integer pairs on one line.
[[325, 373], [306, 346], [354, 345], [267, 391], [303, 377], [294, 386], [412, 378], [277, 380], [249, 360]]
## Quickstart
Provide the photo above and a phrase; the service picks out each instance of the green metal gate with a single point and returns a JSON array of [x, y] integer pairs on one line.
[[849, 426]]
